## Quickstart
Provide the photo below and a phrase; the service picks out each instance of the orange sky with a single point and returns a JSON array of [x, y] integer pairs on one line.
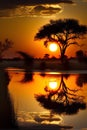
[[22, 29]]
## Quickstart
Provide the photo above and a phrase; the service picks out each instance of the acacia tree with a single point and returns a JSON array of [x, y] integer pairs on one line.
[[4, 46], [63, 32]]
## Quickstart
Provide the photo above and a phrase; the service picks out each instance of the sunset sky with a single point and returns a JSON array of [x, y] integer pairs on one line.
[[20, 20]]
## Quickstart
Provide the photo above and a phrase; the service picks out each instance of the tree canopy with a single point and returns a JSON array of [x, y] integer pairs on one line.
[[63, 32]]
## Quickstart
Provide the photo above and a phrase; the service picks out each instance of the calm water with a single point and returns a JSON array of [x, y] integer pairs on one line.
[[44, 100]]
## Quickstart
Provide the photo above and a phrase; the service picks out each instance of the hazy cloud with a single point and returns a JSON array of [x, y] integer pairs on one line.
[[9, 8], [40, 120], [39, 117], [6, 4], [45, 10]]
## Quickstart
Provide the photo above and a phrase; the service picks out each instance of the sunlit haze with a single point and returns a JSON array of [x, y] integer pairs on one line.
[[20, 23]]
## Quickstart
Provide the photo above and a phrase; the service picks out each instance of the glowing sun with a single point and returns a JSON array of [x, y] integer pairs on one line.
[[53, 84], [53, 47]]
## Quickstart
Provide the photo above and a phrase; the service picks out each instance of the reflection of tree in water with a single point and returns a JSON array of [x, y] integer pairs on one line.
[[42, 74], [81, 79], [63, 100], [28, 77], [7, 115]]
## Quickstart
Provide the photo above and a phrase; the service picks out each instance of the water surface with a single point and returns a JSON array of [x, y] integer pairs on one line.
[[42, 100]]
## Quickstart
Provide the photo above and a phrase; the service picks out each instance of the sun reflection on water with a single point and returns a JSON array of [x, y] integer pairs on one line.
[[53, 84]]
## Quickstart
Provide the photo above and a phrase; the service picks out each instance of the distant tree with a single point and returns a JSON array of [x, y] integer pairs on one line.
[[53, 58], [63, 32], [27, 57], [28, 60], [46, 56], [4, 46], [81, 56], [80, 53]]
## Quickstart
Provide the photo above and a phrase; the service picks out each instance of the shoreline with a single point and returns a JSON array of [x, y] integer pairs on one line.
[[41, 65]]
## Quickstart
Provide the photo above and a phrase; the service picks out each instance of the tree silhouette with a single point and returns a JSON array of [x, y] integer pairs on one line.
[[81, 56], [63, 100], [63, 32], [4, 46], [28, 77], [46, 56], [28, 60]]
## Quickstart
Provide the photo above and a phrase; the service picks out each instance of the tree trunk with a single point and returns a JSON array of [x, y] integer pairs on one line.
[[62, 55]]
